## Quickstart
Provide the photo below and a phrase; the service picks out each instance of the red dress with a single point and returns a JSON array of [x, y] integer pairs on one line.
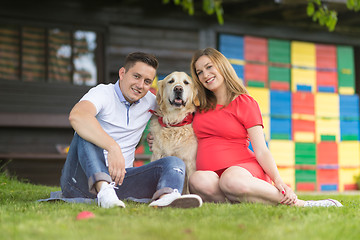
[[223, 140]]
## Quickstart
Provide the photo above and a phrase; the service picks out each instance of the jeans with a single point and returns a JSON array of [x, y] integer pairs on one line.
[[85, 165]]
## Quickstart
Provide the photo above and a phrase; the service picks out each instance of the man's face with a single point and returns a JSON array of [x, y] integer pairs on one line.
[[136, 82]]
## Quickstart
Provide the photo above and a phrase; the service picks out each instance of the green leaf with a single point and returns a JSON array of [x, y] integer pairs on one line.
[[209, 6], [219, 12], [310, 9]]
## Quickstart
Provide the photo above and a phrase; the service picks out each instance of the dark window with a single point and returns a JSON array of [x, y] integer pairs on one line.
[[36, 54]]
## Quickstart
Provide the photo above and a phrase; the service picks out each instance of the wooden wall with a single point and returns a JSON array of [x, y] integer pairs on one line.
[[172, 47]]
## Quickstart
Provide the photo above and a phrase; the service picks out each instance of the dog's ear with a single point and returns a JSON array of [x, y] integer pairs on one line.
[[196, 101], [159, 99], [159, 94]]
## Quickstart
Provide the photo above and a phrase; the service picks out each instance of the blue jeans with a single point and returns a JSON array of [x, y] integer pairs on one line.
[[85, 165]]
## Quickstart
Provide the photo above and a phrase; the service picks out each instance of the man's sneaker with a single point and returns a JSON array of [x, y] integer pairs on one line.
[[175, 200], [323, 203], [107, 197]]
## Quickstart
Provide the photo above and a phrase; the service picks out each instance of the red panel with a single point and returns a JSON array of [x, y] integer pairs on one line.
[[153, 91], [326, 78], [255, 49], [303, 103], [327, 176], [326, 56], [257, 72], [302, 126], [282, 86], [138, 163], [327, 153], [140, 150], [350, 187], [305, 186]]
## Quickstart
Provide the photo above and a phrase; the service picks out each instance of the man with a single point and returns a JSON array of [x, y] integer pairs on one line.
[[109, 121]]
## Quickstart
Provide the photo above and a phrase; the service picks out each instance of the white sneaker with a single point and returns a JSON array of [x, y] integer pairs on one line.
[[107, 197], [175, 200], [323, 203]]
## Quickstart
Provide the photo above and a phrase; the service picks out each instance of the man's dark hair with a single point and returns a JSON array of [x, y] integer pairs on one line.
[[135, 57]]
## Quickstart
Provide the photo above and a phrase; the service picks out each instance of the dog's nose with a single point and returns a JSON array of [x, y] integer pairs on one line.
[[178, 89]]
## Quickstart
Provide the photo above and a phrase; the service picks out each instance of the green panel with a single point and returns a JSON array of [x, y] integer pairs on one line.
[[346, 70], [305, 153], [305, 175], [255, 84], [279, 51], [346, 81], [349, 138], [144, 141], [279, 74], [328, 138], [146, 148], [280, 136]]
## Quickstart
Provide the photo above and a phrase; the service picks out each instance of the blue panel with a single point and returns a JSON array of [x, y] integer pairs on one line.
[[303, 88], [231, 46], [280, 126], [328, 89], [329, 187], [280, 104], [161, 77], [349, 107], [349, 128], [239, 69]]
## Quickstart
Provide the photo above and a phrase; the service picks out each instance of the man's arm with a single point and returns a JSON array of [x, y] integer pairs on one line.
[[82, 119]]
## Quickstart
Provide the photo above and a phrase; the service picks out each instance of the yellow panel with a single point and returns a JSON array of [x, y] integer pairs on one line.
[[346, 90], [299, 116], [303, 77], [346, 176], [236, 61], [349, 154], [304, 136], [329, 127], [288, 175], [266, 122], [262, 96], [303, 54], [283, 152], [154, 83], [327, 105]]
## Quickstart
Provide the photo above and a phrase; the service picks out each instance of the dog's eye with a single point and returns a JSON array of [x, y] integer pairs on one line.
[[186, 82], [171, 81]]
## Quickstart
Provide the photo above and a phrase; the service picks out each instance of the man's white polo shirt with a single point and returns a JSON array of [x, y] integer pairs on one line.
[[125, 124]]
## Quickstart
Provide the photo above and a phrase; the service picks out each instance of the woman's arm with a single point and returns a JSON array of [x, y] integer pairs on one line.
[[266, 161]]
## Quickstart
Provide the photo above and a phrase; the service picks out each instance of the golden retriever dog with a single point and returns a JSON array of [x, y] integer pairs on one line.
[[171, 124]]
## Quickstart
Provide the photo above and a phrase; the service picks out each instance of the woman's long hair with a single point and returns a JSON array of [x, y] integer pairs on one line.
[[234, 85]]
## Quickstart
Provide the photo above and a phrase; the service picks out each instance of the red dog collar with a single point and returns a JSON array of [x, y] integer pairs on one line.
[[187, 120]]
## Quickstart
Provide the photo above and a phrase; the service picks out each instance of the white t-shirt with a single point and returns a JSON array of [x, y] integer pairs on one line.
[[112, 115]]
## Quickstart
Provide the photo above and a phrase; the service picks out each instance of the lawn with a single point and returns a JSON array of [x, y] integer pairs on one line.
[[22, 217]]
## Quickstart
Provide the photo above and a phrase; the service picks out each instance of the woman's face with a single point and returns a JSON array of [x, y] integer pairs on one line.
[[208, 74]]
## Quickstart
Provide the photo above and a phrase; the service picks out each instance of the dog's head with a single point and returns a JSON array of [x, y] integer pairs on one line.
[[177, 91]]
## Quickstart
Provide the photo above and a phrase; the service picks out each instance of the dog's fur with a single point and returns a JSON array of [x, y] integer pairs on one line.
[[176, 97]]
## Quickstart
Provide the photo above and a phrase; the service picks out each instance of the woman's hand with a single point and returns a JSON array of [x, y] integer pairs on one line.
[[290, 197], [150, 140]]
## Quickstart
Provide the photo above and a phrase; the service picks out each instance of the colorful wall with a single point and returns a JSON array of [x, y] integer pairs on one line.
[[306, 92]]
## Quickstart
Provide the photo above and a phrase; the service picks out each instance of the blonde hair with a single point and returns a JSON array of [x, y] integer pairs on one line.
[[234, 85]]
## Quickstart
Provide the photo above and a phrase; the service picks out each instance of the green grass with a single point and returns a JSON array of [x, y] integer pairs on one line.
[[22, 217]]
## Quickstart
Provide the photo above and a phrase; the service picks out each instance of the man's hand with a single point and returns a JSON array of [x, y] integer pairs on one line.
[[116, 163]]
